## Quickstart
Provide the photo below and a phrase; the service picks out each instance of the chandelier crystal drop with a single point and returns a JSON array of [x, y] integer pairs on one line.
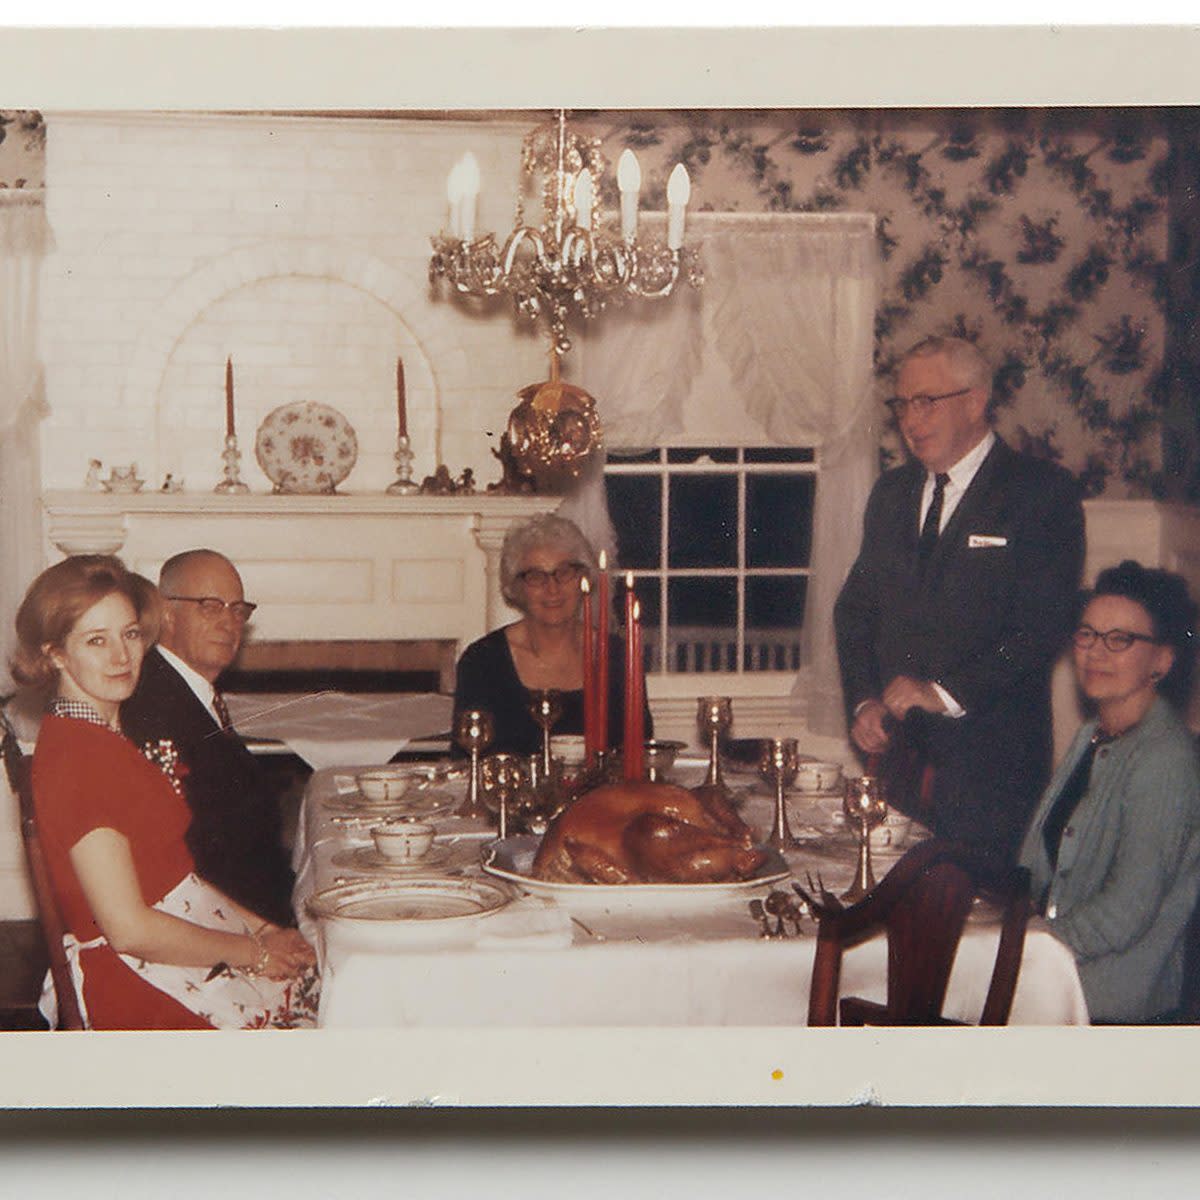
[[575, 262]]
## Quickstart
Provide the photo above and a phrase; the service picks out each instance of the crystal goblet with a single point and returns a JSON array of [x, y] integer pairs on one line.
[[865, 806], [778, 764], [714, 715], [545, 706], [502, 777], [474, 732]]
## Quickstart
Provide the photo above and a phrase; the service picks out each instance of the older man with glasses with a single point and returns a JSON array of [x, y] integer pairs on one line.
[[961, 598], [235, 835]]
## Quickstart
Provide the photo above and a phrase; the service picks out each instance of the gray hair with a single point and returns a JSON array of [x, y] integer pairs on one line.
[[964, 359], [544, 529]]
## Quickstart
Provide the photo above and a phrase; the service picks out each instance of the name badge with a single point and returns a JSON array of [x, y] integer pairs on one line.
[[977, 541]]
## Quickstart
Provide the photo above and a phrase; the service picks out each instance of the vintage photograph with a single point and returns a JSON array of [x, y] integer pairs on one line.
[[659, 584]]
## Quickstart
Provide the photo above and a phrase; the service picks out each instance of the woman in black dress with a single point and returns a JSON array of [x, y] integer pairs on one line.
[[541, 565]]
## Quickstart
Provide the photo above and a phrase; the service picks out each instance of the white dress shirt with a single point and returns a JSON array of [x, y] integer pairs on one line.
[[203, 689]]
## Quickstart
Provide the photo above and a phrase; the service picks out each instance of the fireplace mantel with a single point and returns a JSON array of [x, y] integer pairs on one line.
[[349, 567]]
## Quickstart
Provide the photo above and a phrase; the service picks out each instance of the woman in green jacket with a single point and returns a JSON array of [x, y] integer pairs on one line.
[[1114, 846]]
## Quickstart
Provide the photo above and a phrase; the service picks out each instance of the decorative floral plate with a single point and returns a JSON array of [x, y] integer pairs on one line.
[[306, 448]]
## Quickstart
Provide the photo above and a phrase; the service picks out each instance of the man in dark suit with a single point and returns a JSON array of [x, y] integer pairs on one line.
[[235, 832], [963, 593]]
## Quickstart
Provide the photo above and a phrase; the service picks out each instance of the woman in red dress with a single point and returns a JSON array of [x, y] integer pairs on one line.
[[152, 946]]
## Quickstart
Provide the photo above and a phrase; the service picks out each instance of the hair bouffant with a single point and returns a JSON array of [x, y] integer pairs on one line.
[[545, 529], [60, 595], [1172, 612]]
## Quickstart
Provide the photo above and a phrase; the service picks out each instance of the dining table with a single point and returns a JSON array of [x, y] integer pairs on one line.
[[628, 957]]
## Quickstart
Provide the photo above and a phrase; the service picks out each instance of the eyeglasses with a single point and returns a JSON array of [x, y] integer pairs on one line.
[[213, 606], [1116, 640], [919, 405], [563, 574]]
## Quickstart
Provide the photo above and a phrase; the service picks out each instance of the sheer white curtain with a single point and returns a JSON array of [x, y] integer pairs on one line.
[[24, 239], [788, 307]]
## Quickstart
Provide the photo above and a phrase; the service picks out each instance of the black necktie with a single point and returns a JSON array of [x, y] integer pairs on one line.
[[222, 712], [933, 520]]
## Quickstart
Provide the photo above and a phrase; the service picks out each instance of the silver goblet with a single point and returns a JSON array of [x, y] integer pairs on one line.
[[714, 715], [474, 731], [501, 779], [545, 706], [865, 806], [778, 763]]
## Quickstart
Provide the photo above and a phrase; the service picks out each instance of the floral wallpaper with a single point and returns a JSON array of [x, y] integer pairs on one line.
[[1042, 234], [22, 149]]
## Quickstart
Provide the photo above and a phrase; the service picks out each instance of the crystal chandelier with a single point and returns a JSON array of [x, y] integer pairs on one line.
[[573, 262]]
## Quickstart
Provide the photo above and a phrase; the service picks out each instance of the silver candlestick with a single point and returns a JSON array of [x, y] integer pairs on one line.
[[403, 484], [231, 484]]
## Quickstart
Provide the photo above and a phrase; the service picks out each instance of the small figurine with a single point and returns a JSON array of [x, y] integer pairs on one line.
[[92, 480], [439, 483], [512, 479], [466, 482], [170, 484]]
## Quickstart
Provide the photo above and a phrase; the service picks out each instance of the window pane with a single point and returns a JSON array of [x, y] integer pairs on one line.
[[774, 615], [703, 521], [694, 454], [781, 454], [619, 456], [703, 630], [779, 520], [635, 505]]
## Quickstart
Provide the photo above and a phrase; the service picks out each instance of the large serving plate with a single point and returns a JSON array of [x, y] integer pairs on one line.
[[433, 911], [306, 448], [511, 859]]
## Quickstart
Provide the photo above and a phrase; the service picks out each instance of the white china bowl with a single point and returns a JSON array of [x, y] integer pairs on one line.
[[818, 776], [403, 841], [569, 747], [382, 784]]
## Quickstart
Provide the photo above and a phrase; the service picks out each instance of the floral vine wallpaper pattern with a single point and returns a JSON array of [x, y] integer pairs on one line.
[[1042, 234]]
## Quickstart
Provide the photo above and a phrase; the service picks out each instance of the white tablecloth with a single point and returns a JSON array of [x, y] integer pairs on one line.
[[330, 729], [634, 969]]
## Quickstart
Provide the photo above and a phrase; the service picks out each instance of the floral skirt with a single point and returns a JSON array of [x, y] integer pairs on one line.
[[229, 999]]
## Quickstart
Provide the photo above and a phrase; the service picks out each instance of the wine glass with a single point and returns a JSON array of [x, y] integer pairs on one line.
[[545, 706], [474, 731], [865, 806], [714, 714], [777, 764], [501, 780]]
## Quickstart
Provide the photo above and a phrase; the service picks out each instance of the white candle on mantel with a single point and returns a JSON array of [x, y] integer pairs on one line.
[[629, 180], [583, 200], [470, 194], [454, 193], [679, 191]]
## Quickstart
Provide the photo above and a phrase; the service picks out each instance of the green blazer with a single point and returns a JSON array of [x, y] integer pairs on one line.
[[1128, 869]]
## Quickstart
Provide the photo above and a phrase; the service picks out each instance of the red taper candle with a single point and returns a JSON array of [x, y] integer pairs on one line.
[[229, 396], [637, 720], [589, 673], [401, 400], [603, 608], [630, 735]]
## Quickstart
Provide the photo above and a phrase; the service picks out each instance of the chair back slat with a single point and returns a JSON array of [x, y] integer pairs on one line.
[[20, 777], [922, 905]]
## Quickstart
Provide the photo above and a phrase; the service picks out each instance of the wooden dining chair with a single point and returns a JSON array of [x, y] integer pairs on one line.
[[18, 767], [922, 904]]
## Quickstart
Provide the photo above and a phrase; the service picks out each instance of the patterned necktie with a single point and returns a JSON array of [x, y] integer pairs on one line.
[[933, 520], [222, 712]]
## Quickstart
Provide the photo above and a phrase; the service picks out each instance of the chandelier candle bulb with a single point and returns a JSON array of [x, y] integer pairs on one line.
[[454, 192], [603, 607], [679, 192], [629, 181], [229, 397], [470, 185], [583, 200]]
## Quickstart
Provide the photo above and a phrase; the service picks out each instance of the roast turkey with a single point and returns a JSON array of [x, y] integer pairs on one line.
[[648, 833]]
